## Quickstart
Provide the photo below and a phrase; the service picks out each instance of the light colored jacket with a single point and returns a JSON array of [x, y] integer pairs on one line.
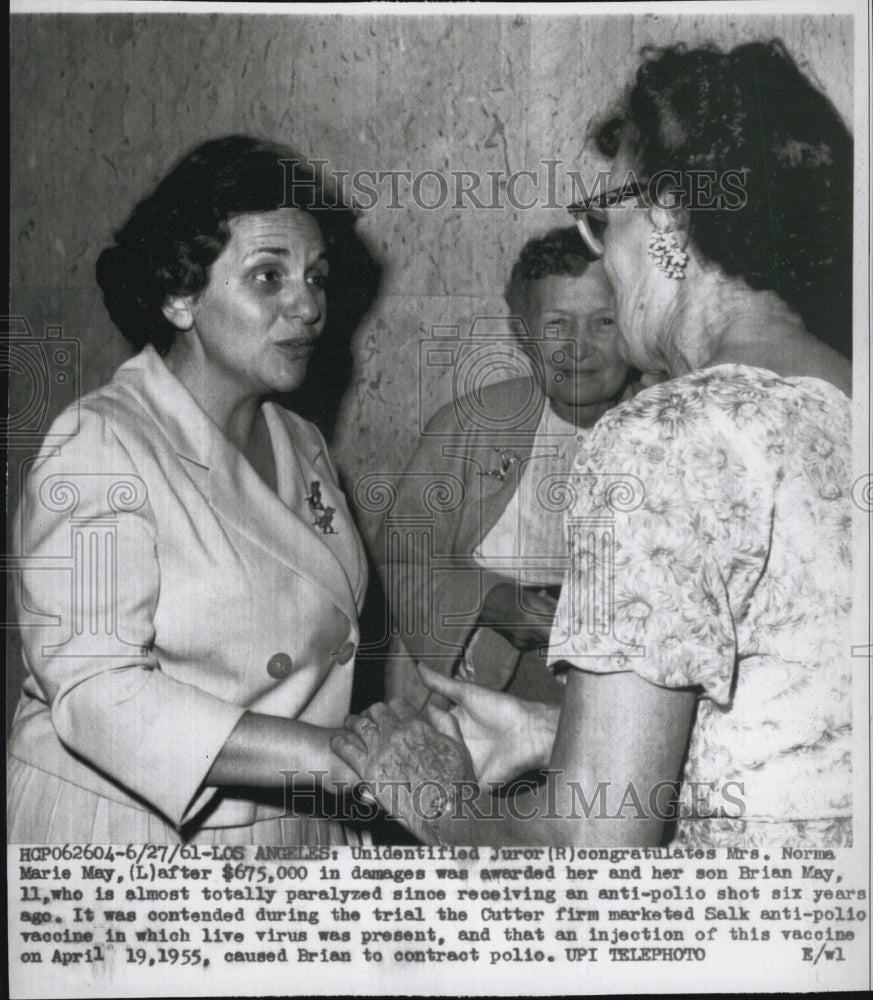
[[447, 500], [165, 589]]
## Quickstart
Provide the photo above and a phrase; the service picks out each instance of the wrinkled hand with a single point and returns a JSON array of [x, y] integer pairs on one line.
[[413, 768], [504, 735], [523, 617]]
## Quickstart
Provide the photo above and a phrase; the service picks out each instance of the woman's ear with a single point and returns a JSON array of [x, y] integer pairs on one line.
[[177, 310], [665, 219]]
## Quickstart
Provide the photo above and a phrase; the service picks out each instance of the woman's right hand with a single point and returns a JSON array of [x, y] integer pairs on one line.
[[526, 625], [505, 735]]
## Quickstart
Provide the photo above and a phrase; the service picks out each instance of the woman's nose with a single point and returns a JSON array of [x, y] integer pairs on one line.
[[303, 301], [584, 346]]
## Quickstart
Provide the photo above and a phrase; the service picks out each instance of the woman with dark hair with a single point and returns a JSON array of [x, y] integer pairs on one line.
[[199, 648], [706, 612], [489, 608]]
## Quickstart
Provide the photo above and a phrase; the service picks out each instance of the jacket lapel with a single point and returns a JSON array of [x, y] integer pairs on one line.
[[234, 490]]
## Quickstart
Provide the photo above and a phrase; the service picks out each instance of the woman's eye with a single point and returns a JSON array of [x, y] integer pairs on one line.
[[268, 276], [318, 278], [605, 322]]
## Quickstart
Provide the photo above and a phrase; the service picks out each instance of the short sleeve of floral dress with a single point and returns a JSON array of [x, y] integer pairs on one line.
[[710, 545]]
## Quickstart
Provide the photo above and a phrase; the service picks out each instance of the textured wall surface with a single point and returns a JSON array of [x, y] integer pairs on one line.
[[102, 105]]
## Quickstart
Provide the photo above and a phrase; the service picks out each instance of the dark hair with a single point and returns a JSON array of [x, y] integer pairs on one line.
[[751, 110], [175, 234], [559, 252]]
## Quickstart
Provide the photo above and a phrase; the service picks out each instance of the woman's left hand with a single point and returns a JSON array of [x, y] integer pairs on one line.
[[414, 769]]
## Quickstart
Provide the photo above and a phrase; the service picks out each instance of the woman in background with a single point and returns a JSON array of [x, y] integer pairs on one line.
[[201, 651], [488, 615], [722, 657]]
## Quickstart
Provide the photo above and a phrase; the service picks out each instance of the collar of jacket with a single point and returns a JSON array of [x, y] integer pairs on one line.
[[503, 400], [234, 490]]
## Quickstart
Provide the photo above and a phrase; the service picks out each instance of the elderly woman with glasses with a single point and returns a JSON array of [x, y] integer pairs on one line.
[[704, 625]]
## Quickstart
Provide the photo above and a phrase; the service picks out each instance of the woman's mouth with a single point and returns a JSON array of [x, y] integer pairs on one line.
[[296, 350]]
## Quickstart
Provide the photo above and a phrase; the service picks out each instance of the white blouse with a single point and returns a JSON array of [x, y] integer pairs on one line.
[[528, 543]]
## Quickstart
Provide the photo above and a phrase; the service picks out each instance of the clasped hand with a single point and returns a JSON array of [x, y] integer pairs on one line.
[[415, 764]]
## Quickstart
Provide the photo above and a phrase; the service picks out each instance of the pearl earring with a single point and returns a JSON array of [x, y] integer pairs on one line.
[[667, 254]]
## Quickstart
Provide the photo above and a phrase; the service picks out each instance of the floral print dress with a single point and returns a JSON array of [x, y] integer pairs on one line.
[[712, 524]]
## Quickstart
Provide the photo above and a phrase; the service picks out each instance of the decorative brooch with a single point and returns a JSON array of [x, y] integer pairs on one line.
[[323, 515], [506, 458]]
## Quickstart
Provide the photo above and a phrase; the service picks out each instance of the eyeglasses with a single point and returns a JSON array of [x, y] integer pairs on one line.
[[591, 215]]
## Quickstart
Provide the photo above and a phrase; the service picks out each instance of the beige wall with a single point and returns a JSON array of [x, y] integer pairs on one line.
[[102, 105]]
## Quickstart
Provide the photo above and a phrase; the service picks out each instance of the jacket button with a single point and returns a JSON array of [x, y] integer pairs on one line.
[[345, 652], [279, 665]]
